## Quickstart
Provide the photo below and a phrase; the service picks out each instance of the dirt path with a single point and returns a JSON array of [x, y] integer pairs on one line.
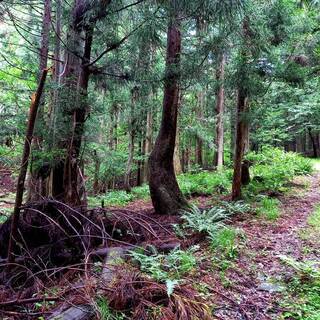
[[254, 283]]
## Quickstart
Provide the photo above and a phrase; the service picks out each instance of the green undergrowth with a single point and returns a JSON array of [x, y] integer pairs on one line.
[[314, 220], [271, 170], [167, 267], [105, 312], [225, 241], [206, 183], [268, 208], [10, 156], [312, 231], [302, 297], [191, 184], [225, 248], [209, 221]]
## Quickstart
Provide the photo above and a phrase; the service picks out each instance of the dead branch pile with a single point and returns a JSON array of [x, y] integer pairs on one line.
[[149, 300], [58, 245]]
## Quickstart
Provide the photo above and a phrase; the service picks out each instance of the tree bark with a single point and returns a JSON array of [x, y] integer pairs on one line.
[[36, 186], [199, 143], [242, 125], [166, 196], [241, 129], [78, 110], [55, 182], [35, 101], [314, 143], [219, 139], [201, 27], [148, 144], [132, 124], [176, 156]]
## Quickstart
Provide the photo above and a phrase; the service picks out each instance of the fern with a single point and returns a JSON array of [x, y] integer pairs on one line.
[[211, 220]]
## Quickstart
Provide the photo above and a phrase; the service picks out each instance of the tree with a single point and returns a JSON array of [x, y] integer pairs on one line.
[[242, 126], [36, 187], [166, 196], [219, 138]]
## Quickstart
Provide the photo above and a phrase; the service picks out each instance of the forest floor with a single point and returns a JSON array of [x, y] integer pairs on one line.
[[262, 282], [268, 271], [262, 275]]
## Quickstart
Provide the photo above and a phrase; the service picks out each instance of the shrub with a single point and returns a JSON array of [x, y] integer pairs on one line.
[[205, 183], [273, 168], [112, 198]]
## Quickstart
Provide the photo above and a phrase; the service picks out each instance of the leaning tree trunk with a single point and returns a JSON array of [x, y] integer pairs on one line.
[[166, 196], [35, 101], [219, 139]]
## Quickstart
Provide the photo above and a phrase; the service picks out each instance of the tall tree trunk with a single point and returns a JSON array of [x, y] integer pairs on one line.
[[199, 143], [96, 186], [166, 196], [241, 129], [201, 26], [139, 164], [55, 182], [148, 144], [36, 181], [132, 129], [219, 139], [79, 111], [176, 156], [242, 126], [314, 143], [233, 119]]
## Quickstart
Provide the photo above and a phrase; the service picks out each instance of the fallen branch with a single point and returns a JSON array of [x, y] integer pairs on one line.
[[27, 301]]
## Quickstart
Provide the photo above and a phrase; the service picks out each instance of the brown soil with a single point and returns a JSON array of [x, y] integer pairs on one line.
[[258, 263]]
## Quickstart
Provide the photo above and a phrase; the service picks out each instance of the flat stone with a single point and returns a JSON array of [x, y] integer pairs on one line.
[[270, 287]]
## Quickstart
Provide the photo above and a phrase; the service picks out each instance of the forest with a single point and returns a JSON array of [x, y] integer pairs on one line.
[[160, 159]]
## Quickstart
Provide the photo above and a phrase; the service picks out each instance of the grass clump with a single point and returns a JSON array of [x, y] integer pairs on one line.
[[104, 311], [311, 232], [303, 291], [225, 242], [269, 208], [314, 219]]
